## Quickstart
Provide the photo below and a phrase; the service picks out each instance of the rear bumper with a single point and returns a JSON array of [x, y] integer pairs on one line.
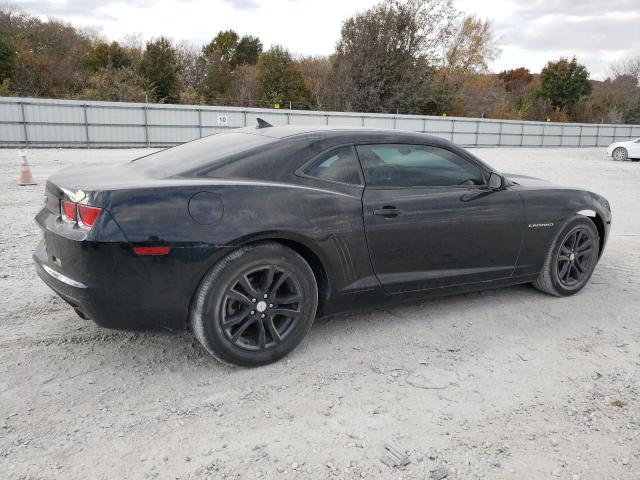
[[70, 290], [108, 283]]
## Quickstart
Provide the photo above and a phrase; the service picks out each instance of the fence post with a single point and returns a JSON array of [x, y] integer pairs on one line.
[[615, 130], [362, 120], [500, 134], [24, 125], [86, 124], [146, 125], [424, 125], [453, 127], [326, 119], [477, 131], [521, 134], [395, 122], [597, 135], [244, 118], [580, 138], [200, 122]]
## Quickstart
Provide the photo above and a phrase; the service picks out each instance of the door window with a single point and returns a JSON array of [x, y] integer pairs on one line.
[[338, 165], [416, 166]]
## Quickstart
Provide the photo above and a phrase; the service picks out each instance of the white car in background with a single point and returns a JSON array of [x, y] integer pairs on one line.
[[624, 150]]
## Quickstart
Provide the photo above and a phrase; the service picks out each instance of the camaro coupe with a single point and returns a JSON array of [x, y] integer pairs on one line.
[[247, 236]]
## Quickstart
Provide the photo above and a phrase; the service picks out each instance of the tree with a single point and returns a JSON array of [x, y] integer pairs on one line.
[[383, 54], [564, 82], [105, 55], [7, 60], [191, 72], [225, 43], [516, 80], [217, 77], [244, 89], [280, 80], [628, 68], [247, 51], [318, 75], [48, 60], [468, 51], [115, 85], [159, 68]]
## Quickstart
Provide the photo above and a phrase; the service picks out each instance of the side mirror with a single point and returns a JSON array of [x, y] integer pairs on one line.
[[496, 182]]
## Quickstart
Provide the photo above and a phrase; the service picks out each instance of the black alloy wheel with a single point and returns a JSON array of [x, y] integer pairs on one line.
[[255, 305], [571, 259], [574, 257], [261, 308]]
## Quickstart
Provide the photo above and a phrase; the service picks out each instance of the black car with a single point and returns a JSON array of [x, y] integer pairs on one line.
[[249, 235]]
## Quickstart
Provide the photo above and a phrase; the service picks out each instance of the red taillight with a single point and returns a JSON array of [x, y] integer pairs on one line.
[[68, 210], [85, 215], [88, 215], [152, 250]]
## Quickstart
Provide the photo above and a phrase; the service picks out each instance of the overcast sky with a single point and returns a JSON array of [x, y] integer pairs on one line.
[[530, 32]]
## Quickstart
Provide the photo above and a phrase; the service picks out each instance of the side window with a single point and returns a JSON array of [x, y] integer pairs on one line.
[[338, 165], [416, 166]]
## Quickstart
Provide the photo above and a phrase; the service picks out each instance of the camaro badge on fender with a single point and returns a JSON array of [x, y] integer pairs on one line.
[[540, 225]]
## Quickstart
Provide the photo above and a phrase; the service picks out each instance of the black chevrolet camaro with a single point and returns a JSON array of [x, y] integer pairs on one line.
[[247, 236]]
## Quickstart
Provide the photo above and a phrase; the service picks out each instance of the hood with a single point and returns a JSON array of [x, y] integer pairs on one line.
[[526, 180]]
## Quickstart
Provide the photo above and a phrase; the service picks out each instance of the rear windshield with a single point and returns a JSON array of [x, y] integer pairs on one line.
[[200, 153]]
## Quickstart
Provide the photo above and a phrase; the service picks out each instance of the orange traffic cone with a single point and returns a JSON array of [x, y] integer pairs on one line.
[[25, 172]]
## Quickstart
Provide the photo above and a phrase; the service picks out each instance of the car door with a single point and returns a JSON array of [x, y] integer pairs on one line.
[[431, 221], [634, 148]]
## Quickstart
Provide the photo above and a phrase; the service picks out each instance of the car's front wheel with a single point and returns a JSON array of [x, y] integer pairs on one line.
[[255, 305], [620, 154], [571, 259]]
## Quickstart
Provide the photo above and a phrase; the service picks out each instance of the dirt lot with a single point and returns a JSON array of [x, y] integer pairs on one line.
[[506, 383]]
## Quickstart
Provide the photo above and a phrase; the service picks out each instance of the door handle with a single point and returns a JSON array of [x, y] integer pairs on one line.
[[388, 211]]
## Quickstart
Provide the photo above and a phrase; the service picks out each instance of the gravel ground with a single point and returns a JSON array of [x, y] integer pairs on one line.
[[506, 383]]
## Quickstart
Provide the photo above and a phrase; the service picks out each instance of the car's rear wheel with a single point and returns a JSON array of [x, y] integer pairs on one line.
[[255, 305], [620, 154], [571, 259]]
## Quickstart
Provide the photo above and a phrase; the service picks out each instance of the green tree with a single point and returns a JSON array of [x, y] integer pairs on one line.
[[217, 77], [247, 51], [107, 55], [160, 69], [225, 42], [383, 54], [564, 82], [7, 60], [280, 80]]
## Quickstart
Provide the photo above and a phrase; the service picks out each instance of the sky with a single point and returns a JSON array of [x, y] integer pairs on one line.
[[529, 32]]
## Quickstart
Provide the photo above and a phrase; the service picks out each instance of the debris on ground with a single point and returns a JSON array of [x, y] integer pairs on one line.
[[394, 456], [439, 473]]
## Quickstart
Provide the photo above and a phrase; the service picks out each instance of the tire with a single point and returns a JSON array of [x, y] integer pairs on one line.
[[567, 270], [255, 305], [620, 154]]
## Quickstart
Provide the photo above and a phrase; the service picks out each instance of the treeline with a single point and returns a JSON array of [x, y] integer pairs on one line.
[[401, 56]]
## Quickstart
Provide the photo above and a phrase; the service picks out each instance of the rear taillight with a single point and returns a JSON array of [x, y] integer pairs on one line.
[[84, 215], [68, 211], [88, 215]]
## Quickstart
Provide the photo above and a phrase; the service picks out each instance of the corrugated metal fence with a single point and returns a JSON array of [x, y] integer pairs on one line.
[[44, 122]]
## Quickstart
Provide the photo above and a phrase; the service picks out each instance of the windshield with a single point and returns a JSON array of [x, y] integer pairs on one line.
[[200, 153]]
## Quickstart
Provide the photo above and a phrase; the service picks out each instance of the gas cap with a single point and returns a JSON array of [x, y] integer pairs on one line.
[[206, 208]]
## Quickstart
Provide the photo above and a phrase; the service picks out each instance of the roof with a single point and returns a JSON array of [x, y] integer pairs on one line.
[[285, 131]]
